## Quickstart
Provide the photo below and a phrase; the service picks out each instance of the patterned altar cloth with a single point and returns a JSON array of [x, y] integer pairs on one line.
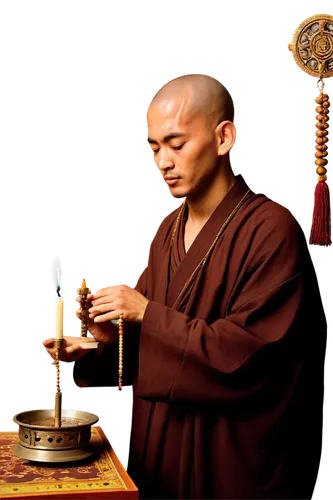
[[101, 476]]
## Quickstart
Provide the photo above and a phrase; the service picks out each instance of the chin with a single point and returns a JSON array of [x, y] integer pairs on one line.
[[178, 193]]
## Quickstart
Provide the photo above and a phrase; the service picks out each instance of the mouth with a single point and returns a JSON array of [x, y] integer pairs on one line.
[[171, 180]]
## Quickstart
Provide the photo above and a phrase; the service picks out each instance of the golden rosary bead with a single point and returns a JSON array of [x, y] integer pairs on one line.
[[320, 117], [326, 104], [321, 170], [319, 100], [320, 110], [321, 133], [321, 154], [321, 162], [325, 97], [320, 125], [325, 111], [326, 126], [320, 140]]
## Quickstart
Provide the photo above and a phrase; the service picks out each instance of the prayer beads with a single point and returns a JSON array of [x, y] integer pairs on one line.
[[120, 370], [321, 135]]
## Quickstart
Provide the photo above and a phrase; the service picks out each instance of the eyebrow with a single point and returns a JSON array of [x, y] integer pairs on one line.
[[166, 138]]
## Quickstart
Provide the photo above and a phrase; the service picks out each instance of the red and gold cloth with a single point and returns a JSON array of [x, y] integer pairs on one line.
[[102, 476]]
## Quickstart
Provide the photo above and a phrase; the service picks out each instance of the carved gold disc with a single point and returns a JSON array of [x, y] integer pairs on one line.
[[312, 46]]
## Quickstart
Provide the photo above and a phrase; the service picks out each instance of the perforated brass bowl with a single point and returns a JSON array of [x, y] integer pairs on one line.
[[41, 441]]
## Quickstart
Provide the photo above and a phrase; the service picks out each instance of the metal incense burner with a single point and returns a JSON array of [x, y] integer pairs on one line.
[[56, 435], [41, 441]]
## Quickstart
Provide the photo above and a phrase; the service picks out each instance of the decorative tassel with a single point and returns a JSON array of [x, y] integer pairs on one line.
[[321, 222]]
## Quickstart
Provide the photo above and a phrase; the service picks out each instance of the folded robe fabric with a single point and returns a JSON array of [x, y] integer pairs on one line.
[[228, 376]]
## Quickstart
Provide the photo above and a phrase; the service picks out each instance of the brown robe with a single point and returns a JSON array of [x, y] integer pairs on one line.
[[228, 382]]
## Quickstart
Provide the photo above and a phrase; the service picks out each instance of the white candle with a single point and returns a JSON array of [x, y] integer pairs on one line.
[[59, 318]]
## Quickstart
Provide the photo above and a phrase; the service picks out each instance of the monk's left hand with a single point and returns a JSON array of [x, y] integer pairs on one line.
[[109, 302]]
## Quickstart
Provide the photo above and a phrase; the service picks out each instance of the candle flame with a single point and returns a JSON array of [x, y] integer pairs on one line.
[[57, 274]]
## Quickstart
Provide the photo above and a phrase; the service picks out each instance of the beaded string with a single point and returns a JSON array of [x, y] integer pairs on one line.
[[121, 346], [321, 130]]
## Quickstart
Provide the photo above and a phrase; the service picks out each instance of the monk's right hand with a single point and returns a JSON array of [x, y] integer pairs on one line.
[[104, 332]]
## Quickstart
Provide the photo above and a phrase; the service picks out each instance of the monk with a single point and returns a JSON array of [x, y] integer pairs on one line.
[[225, 332]]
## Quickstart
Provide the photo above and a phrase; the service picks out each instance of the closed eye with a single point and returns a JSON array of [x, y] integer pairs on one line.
[[175, 148]]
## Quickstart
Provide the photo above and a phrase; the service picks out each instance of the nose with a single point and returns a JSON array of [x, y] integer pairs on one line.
[[164, 160]]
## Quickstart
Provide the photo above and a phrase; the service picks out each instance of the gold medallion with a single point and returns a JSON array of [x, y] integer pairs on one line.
[[312, 46]]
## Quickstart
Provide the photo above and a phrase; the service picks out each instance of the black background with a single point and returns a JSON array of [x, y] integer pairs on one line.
[[75, 129]]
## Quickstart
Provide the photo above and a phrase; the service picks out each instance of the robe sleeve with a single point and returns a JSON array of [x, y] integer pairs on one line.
[[258, 348]]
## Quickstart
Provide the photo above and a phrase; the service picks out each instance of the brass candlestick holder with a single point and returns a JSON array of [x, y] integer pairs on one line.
[[56, 435]]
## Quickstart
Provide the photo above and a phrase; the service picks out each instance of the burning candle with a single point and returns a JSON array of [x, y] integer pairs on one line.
[[59, 318], [59, 307]]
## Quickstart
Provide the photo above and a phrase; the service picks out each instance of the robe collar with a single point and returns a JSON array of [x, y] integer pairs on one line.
[[204, 239]]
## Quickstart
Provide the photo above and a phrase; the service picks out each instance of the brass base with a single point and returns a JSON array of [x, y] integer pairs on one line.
[[54, 456], [41, 440]]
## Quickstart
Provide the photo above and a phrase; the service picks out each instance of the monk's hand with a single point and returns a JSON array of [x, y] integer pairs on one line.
[[109, 303], [70, 350], [105, 333]]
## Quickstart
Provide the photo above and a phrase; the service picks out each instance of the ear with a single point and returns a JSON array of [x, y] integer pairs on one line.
[[225, 134]]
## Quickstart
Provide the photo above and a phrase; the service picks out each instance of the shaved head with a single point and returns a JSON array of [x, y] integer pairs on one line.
[[196, 95], [191, 131]]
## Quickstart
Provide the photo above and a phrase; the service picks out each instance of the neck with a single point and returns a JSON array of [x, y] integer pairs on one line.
[[201, 207]]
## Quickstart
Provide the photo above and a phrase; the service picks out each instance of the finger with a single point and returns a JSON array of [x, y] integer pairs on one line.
[[47, 342], [92, 316], [102, 308], [107, 317], [77, 314], [78, 299], [102, 291], [104, 300], [106, 290]]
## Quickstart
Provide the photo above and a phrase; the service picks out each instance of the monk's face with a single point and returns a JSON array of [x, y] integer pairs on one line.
[[184, 146]]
